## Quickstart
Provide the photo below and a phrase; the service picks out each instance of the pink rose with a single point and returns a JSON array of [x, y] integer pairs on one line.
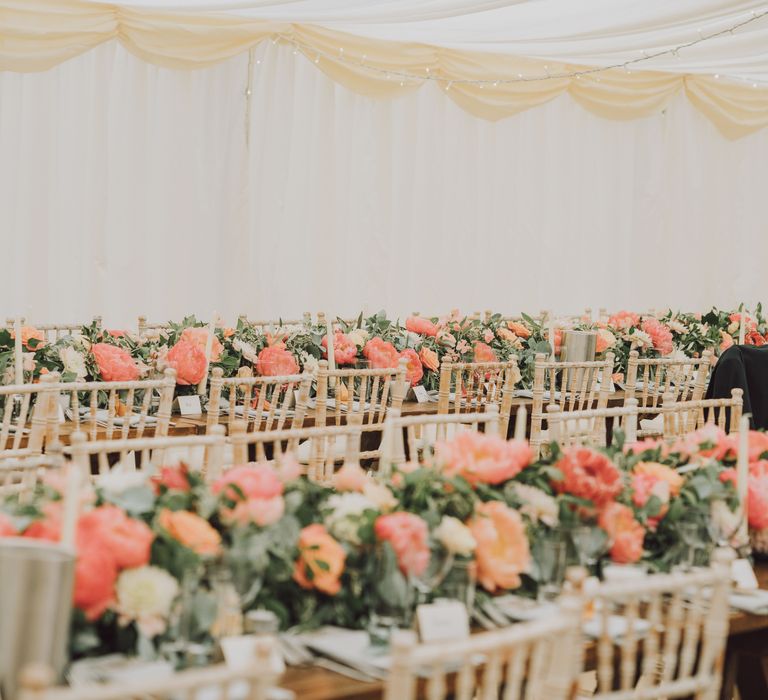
[[488, 335], [481, 458], [420, 325], [276, 360], [414, 371], [408, 536], [259, 511], [115, 364], [189, 362], [624, 320], [350, 477], [660, 335], [344, 349], [199, 337], [289, 469], [252, 480], [172, 478], [127, 539]]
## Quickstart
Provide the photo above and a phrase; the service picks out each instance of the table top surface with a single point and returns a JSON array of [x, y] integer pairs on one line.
[[313, 683]]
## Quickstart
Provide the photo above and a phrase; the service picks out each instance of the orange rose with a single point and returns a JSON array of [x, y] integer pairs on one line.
[[190, 530], [502, 546], [625, 533], [429, 359], [199, 337], [321, 561], [519, 329], [484, 353], [30, 333]]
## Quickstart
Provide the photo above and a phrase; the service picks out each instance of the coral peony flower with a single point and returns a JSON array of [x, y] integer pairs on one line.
[[95, 577], [6, 526], [754, 338], [199, 337], [344, 349], [408, 536], [145, 596], [502, 552], [114, 363], [624, 320], [660, 335], [429, 359], [420, 325], [519, 329], [128, 539], [709, 441], [256, 511], [381, 354], [588, 474], [249, 481], [605, 340], [414, 370], [288, 469], [350, 477], [624, 532], [276, 360], [29, 333], [190, 530], [481, 458], [189, 362], [172, 478], [750, 324], [661, 472], [484, 353], [321, 561], [757, 496]]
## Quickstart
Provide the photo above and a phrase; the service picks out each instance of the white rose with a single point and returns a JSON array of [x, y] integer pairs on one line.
[[733, 327], [73, 361], [245, 349], [726, 521], [343, 520], [28, 361], [122, 478], [145, 596], [358, 337], [641, 339], [677, 326], [537, 505], [309, 363], [455, 536], [380, 496]]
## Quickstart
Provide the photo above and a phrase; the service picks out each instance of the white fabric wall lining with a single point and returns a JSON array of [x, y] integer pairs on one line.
[[128, 189]]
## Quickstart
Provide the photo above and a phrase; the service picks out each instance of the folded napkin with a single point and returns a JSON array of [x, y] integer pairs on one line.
[[617, 627], [655, 425], [755, 602]]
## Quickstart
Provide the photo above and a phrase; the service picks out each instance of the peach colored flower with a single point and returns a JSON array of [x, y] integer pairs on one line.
[[502, 551], [408, 535], [506, 334], [259, 511], [95, 577], [421, 325], [735, 322], [488, 335], [709, 441], [199, 337], [172, 478], [128, 539], [754, 338], [481, 458], [646, 485], [618, 376], [605, 340], [228, 332], [446, 338], [660, 335], [646, 444], [624, 532], [519, 329], [29, 333], [288, 469], [726, 341], [189, 362], [249, 481], [350, 477], [757, 495], [484, 353], [276, 360], [190, 530], [344, 349], [661, 472], [114, 363], [381, 354], [624, 320], [6, 526], [429, 359], [321, 561], [588, 474], [414, 370]]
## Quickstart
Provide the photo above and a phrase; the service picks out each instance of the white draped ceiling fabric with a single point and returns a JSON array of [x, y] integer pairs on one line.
[[170, 157]]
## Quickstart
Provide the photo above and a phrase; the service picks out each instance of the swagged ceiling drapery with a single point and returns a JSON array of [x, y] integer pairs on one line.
[[130, 184], [450, 40]]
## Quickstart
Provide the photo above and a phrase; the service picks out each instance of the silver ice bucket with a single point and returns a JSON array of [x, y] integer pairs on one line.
[[36, 585], [578, 346]]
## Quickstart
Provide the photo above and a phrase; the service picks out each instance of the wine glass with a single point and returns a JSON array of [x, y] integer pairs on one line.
[[590, 543]]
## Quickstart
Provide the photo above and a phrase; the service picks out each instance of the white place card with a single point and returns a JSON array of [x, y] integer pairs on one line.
[[421, 393], [62, 417], [443, 621], [189, 405], [743, 575]]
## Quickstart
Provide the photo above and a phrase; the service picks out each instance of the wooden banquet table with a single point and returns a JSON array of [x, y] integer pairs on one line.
[[746, 664]]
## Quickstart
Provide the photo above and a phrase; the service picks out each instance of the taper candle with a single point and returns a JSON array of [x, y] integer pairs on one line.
[[18, 352], [208, 349], [71, 506], [742, 326], [520, 420], [742, 476], [331, 349]]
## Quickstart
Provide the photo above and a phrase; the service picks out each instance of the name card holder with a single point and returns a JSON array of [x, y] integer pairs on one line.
[[421, 393], [189, 405], [442, 621]]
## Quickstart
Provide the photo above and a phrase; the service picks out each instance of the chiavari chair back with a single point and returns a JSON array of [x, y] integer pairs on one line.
[[117, 408], [151, 329], [683, 417], [266, 325], [572, 428], [53, 332], [203, 453], [25, 416], [663, 635], [571, 386], [649, 380], [263, 403], [527, 661], [20, 475], [467, 387], [251, 680], [320, 446]]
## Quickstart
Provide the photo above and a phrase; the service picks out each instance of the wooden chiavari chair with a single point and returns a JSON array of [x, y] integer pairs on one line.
[[117, 408], [572, 386], [321, 442], [529, 661], [663, 635], [19, 475], [683, 417], [251, 680], [590, 427], [25, 414], [146, 328], [199, 452], [56, 331], [367, 394], [476, 384], [264, 403], [266, 326], [650, 379]]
